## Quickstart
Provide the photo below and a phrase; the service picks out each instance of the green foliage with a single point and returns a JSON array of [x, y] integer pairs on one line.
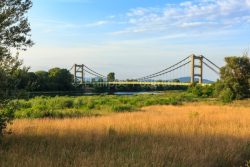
[[6, 115], [202, 91], [136, 88], [226, 95], [122, 108], [234, 82], [111, 77], [60, 79], [14, 34], [15, 28], [65, 106], [55, 80], [42, 81]]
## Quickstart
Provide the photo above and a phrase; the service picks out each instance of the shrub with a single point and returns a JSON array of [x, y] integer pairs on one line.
[[91, 105], [22, 104], [67, 103], [78, 102], [226, 95], [150, 102], [174, 101], [40, 107], [202, 91], [197, 90], [121, 108], [208, 91], [6, 115]]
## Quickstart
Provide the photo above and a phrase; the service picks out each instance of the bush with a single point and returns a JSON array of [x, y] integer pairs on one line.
[[78, 103], [40, 107], [91, 105], [22, 104], [226, 95], [196, 90], [6, 115], [235, 76], [202, 91], [67, 103], [208, 90], [122, 108]]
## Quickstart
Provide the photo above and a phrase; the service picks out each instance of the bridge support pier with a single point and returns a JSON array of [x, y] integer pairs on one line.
[[194, 66], [79, 73]]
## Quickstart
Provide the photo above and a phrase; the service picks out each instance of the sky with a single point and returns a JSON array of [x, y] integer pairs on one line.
[[134, 38]]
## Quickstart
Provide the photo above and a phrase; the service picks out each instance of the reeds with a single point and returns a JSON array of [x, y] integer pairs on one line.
[[195, 134]]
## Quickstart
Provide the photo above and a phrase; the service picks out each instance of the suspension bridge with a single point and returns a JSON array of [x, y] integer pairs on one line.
[[192, 64]]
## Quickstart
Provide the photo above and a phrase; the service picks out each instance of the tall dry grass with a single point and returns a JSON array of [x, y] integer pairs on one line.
[[188, 135]]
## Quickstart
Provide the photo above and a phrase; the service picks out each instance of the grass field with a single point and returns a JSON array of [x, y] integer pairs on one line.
[[194, 134]]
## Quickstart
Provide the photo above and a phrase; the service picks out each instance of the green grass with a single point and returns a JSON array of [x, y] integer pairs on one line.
[[65, 106]]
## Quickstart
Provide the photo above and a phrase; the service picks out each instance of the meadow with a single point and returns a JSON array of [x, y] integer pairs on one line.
[[193, 134], [66, 106]]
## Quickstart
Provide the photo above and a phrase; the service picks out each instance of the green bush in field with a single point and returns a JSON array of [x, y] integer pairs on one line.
[[122, 108], [91, 105], [226, 95], [23, 104], [234, 79], [65, 106], [78, 103], [202, 91], [6, 115], [149, 102]]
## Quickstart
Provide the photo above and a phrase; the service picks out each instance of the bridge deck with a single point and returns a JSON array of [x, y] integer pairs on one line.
[[144, 83], [149, 83]]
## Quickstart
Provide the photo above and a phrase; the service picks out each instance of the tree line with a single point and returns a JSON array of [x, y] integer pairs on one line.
[[55, 79]]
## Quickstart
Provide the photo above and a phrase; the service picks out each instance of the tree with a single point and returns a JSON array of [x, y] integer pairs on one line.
[[60, 79], [176, 80], [235, 77], [14, 34], [111, 77], [42, 80], [14, 25]]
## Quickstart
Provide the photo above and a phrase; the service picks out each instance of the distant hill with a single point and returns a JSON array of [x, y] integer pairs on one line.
[[182, 79], [187, 79]]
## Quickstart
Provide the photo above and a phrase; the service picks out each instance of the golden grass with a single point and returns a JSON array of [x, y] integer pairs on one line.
[[189, 135]]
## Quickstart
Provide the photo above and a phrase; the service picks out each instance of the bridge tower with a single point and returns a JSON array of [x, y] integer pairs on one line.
[[195, 66], [78, 73]]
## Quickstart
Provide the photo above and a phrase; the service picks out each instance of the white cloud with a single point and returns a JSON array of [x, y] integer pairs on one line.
[[52, 26], [212, 14], [248, 2], [97, 24]]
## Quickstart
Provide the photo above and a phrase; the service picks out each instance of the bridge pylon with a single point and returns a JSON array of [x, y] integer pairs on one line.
[[78, 73], [194, 66]]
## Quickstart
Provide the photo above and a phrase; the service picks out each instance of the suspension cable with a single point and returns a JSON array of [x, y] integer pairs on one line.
[[71, 68], [163, 70], [102, 76], [211, 62], [211, 68], [91, 73], [168, 71]]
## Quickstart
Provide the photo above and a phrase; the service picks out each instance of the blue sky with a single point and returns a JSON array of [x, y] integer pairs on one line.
[[135, 37]]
